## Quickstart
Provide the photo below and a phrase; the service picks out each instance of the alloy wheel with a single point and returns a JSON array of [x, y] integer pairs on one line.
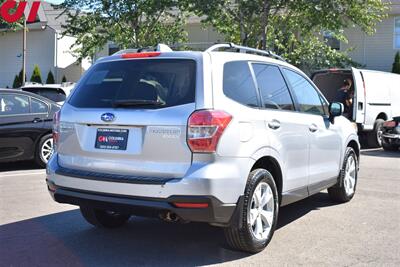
[[46, 150], [350, 176], [261, 211]]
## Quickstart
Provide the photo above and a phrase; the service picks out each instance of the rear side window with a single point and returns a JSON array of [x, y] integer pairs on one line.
[[239, 84], [167, 82], [38, 106], [274, 91]]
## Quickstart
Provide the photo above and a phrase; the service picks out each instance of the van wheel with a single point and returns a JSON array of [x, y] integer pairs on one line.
[[375, 137], [345, 189], [44, 150], [258, 214], [103, 218]]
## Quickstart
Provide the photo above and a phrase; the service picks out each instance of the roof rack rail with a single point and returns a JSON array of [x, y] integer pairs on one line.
[[244, 49], [158, 48]]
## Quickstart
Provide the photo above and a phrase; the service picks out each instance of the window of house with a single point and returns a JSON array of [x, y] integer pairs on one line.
[[397, 33], [112, 49], [331, 40]]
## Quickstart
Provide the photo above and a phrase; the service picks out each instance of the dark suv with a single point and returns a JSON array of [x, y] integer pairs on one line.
[[25, 126]]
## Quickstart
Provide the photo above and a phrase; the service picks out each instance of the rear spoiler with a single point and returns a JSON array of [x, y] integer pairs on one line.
[[332, 70]]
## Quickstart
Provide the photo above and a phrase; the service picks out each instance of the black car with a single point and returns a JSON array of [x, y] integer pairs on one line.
[[391, 134], [25, 126]]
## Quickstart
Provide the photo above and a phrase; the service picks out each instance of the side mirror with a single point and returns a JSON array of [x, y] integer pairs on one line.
[[335, 110]]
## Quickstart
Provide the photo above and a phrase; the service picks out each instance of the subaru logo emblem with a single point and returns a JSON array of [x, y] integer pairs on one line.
[[108, 117]]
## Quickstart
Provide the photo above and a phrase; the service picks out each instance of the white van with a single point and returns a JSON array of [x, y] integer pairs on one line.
[[55, 92], [376, 97]]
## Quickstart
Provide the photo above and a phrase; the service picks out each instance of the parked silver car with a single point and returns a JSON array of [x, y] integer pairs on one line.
[[221, 137]]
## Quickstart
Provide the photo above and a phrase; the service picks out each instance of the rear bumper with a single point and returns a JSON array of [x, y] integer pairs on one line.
[[391, 138], [216, 212], [220, 184]]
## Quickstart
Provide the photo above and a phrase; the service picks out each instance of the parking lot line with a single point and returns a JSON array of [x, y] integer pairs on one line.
[[22, 173]]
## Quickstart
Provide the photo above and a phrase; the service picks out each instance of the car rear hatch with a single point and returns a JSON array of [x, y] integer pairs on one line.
[[128, 117]]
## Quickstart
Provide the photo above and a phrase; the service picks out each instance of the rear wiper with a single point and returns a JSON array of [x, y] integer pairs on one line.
[[135, 103]]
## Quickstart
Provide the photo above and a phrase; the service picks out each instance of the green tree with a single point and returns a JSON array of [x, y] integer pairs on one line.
[[36, 75], [64, 79], [17, 82], [396, 64], [292, 28], [127, 23], [50, 78], [20, 77]]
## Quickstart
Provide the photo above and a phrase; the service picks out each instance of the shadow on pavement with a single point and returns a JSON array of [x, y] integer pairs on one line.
[[18, 166], [66, 239], [299, 209], [380, 153]]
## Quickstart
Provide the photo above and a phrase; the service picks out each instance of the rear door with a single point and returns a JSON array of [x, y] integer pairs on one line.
[[19, 127], [286, 131], [324, 138], [130, 117], [360, 105]]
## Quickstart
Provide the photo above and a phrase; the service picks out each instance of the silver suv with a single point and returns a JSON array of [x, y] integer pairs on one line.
[[222, 137]]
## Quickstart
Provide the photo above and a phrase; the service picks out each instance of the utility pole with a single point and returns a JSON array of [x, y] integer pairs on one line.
[[24, 53]]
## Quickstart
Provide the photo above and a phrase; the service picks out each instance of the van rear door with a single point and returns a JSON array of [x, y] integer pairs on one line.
[[359, 96]]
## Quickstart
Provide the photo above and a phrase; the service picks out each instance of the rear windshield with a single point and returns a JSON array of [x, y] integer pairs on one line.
[[167, 82], [54, 94]]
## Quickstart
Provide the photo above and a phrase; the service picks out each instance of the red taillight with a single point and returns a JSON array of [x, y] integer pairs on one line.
[[205, 128], [141, 55], [191, 205], [56, 129], [389, 124]]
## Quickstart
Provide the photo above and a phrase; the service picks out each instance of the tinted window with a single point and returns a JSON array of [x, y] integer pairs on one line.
[[38, 106], [13, 104], [170, 82], [306, 95], [274, 91], [239, 84], [54, 94]]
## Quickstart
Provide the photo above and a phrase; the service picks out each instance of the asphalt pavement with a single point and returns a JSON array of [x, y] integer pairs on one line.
[[35, 231]]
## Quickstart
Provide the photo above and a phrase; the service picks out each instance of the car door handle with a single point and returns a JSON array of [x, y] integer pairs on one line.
[[274, 124], [37, 120], [313, 128]]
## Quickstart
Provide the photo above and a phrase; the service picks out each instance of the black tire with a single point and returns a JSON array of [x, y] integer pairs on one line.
[[38, 153], [102, 218], [389, 147], [338, 192], [373, 138], [239, 234]]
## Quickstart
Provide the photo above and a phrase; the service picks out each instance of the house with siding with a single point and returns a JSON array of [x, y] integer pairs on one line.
[[46, 47], [377, 51], [200, 37], [51, 51]]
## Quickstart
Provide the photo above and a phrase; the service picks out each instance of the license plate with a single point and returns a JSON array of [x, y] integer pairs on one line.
[[112, 139]]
